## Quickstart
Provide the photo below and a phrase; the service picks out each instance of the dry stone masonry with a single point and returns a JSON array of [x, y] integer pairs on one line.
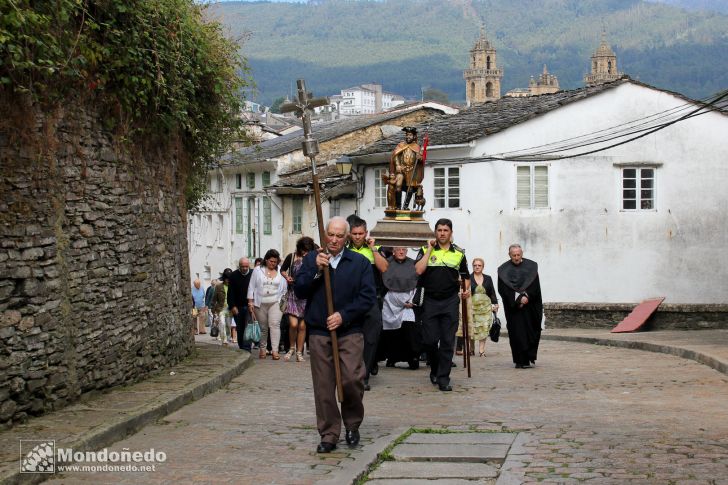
[[93, 262]]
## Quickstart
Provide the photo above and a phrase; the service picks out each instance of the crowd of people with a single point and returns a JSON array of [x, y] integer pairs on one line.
[[384, 306]]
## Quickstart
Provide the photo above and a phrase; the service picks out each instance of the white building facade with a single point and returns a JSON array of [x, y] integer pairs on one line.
[[239, 219], [645, 219]]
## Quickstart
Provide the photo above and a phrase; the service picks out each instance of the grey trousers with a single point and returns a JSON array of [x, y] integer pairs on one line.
[[328, 417]]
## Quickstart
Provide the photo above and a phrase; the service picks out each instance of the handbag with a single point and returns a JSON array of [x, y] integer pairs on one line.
[[283, 303], [419, 297], [215, 327], [495, 329], [252, 332]]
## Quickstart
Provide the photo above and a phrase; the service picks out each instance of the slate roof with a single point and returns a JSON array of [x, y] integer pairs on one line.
[[328, 175], [489, 118], [325, 131]]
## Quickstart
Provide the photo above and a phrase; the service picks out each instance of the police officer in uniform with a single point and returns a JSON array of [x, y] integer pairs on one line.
[[440, 265], [360, 243]]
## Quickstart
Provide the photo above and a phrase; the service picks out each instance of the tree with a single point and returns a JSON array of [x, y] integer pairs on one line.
[[276, 106], [434, 94]]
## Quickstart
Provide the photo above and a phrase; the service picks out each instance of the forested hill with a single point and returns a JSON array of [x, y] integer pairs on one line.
[[408, 45]]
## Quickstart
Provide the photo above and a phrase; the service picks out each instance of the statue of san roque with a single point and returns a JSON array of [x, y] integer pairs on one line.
[[405, 171]]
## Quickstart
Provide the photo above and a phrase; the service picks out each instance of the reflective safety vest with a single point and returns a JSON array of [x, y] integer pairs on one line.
[[445, 258], [365, 251]]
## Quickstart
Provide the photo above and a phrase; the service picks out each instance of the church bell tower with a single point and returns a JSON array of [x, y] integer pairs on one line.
[[483, 77], [603, 65]]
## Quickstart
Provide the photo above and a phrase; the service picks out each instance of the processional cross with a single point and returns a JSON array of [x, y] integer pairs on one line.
[[302, 107]]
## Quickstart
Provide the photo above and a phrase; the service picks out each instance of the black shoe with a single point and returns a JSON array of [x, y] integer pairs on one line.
[[414, 364], [390, 363], [375, 369], [325, 447], [523, 366], [433, 379], [352, 437], [445, 387], [453, 364], [367, 387]]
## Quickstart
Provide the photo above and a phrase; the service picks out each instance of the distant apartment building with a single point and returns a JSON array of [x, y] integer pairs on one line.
[[365, 99]]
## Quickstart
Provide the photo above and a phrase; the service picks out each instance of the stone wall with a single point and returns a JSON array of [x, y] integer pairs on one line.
[[606, 315], [93, 261]]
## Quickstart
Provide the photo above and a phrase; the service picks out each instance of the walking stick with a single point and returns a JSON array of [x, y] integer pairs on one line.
[[303, 108], [466, 332]]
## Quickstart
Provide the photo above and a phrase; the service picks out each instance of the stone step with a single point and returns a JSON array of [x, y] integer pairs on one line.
[[448, 452], [437, 481], [461, 438], [433, 470]]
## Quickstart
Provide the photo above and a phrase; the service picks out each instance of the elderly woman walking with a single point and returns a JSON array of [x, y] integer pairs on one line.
[[267, 287]]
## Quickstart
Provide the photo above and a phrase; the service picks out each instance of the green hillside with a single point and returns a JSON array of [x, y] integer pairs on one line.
[[408, 45]]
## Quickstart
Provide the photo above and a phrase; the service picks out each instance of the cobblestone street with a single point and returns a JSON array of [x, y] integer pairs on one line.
[[585, 413]]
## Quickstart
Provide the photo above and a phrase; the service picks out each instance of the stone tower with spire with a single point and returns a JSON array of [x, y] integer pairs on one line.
[[603, 64], [483, 77]]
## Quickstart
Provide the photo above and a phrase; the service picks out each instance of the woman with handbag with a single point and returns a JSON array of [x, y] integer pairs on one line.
[[267, 287], [485, 303], [295, 307]]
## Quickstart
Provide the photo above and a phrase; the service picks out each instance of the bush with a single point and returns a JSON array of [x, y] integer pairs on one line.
[[157, 66]]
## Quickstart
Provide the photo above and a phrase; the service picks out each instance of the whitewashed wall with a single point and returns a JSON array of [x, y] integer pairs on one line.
[[588, 249]]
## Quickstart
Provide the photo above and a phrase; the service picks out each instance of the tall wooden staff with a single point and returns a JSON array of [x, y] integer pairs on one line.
[[302, 107], [466, 332]]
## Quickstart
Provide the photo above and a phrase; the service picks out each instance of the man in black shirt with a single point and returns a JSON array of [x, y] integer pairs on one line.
[[237, 299]]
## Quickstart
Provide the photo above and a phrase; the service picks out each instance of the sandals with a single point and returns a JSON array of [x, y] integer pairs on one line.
[[276, 356], [262, 354], [288, 355], [299, 357]]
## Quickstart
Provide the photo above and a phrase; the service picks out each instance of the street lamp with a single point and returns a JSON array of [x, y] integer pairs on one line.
[[343, 165]]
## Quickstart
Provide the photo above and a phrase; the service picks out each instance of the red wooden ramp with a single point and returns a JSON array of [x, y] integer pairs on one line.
[[639, 316]]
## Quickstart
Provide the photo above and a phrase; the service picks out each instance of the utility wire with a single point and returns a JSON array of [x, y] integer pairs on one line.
[[708, 107], [621, 126]]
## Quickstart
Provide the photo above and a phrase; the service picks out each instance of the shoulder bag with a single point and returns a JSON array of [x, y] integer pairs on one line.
[[215, 327], [495, 328]]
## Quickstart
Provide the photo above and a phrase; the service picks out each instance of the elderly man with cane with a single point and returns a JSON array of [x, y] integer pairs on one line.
[[352, 283]]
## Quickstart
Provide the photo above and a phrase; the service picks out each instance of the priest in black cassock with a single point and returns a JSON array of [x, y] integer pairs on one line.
[[520, 290]]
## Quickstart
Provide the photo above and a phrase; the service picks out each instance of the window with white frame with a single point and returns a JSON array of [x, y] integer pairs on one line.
[[250, 179], [638, 188], [297, 215], [238, 180], [266, 179], [532, 187], [239, 225], [380, 188], [267, 217], [446, 181], [335, 207]]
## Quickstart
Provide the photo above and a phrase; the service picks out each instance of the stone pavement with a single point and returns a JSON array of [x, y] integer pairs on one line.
[[100, 420], [593, 413]]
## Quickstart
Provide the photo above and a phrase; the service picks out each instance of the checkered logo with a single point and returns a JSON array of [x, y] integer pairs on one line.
[[37, 456]]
